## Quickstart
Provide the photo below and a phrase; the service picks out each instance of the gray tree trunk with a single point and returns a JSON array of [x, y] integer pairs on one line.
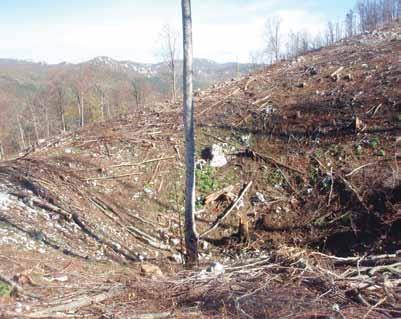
[[60, 101], [191, 236], [64, 127], [82, 111], [47, 121], [174, 80], [22, 135], [2, 155], [34, 122]]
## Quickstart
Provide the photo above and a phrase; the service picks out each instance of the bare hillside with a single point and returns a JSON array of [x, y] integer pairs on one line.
[[313, 151]]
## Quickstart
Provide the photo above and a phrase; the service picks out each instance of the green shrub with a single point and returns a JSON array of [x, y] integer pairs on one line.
[[374, 142], [273, 177], [205, 180], [5, 289]]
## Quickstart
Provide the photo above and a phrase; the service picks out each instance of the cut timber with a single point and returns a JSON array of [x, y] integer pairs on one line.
[[262, 100], [274, 161], [335, 75], [109, 177], [74, 305], [165, 315], [220, 101], [151, 241], [214, 196], [142, 163], [162, 315], [229, 210]]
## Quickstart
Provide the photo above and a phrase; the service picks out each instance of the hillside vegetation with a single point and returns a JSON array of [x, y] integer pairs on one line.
[[39, 100]]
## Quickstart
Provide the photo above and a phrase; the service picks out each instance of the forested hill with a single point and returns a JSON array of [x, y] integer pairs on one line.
[[34, 96]]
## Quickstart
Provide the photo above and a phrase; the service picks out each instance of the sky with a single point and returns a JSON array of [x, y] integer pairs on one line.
[[55, 31]]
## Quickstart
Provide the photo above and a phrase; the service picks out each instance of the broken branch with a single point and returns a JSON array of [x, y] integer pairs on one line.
[[229, 210]]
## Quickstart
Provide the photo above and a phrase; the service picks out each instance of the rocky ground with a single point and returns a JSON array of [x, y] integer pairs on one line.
[[299, 201]]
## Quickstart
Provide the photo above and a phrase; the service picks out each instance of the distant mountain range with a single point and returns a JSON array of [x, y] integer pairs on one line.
[[203, 68], [206, 71]]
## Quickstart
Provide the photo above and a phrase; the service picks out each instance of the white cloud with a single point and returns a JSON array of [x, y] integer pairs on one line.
[[222, 31], [301, 20]]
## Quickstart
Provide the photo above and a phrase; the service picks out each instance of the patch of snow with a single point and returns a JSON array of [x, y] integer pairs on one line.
[[4, 200]]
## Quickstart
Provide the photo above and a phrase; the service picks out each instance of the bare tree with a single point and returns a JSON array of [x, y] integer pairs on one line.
[[21, 134], [191, 236], [318, 41], [81, 86], [350, 24], [388, 11], [41, 103], [59, 95], [330, 36], [398, 9], [169, 52], [138, 91], [292, 44], [272, 35], [2, 156], [369, 14], [34, 121], [104, 108], [338, 31], [297, 43], [257, 58]]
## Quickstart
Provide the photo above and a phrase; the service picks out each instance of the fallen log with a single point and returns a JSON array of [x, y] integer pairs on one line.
[[74, 305]]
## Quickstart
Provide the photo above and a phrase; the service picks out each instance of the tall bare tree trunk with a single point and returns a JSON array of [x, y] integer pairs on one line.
[[191, 236], [60, 103], [34, 122], [82, 111], [21, 132], [102, 106], [47, 122], [2, 155], [174, 80], [64, 127]]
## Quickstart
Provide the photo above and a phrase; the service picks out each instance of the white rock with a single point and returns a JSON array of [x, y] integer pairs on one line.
[[258, 198], [4, 199], [200, 164], [175, 241], [177, 258], [204, 245], [218, 157], [216, 268]]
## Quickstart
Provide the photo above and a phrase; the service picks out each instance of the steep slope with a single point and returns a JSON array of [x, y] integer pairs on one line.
[[317, 137]]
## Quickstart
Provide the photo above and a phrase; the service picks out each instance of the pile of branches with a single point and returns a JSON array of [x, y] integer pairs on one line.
[[295, 283]]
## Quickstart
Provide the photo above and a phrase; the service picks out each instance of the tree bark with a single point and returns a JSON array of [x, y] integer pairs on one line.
[[174, 89], [2, 155], [21, 131], [82, 111], [191, 236], [47, 121], [34, 122], [60, 102]]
